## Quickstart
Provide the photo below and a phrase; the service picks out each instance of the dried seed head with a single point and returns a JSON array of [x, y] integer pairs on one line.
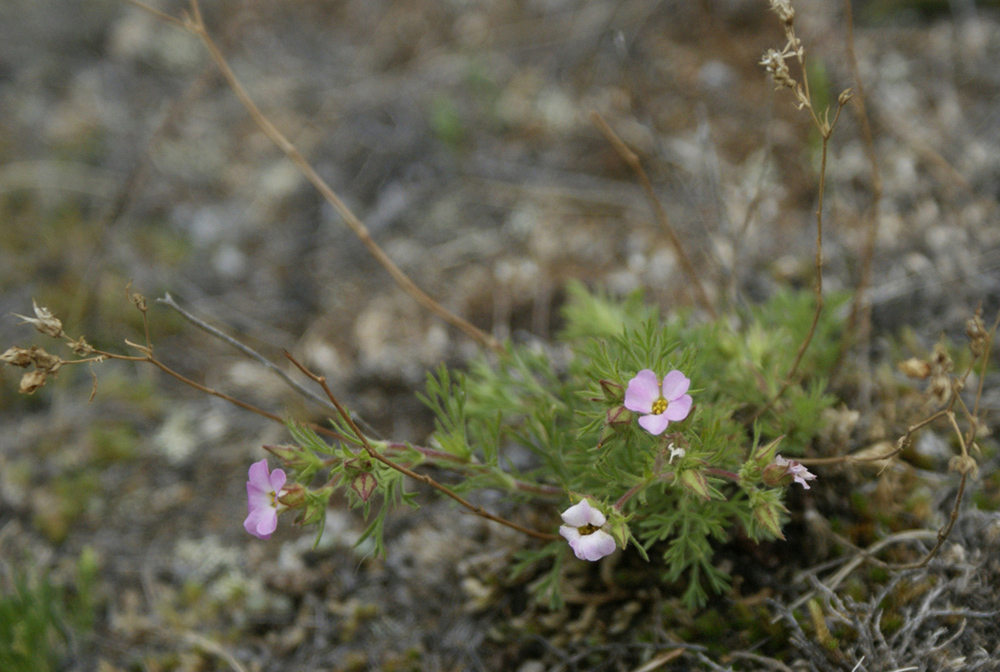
[[976, 331], [32, 380], [81, 347], [784, 10], [17, 357], [774, 62], [43, 321], [43, 361], [965, 465], [939, 388], [139, 301], [915, 368], [844, 97], [941, 360]]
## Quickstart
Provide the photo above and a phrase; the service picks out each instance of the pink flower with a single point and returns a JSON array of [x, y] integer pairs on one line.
[[662, 404], [792, 468], [263, 490], [584, 534]]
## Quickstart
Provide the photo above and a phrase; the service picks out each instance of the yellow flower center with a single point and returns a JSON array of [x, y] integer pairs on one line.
[[587, 529], [659, 406]]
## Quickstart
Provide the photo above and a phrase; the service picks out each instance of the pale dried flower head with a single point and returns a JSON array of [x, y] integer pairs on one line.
[[32, 380], [81, 347], [915, 368], [43, 361], [784, 10], [774, 62], [965, 465], [16, 356], [976, 331], [43, 321]]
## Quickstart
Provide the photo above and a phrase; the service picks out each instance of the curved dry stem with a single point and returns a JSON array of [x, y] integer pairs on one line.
[[195, 25], [654, 201], [859, 321], [424, 478]]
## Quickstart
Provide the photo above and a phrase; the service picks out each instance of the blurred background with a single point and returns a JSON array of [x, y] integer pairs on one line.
[[459, 132]]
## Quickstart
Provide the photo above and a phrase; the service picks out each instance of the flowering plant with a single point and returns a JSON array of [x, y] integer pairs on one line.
[[634, 435]]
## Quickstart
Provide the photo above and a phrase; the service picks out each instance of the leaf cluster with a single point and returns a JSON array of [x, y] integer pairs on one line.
[[540, 413]]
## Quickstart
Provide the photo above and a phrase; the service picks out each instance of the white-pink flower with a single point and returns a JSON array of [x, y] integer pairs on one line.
[[662, 404], [796, 470], [263, 490], [584, 534]]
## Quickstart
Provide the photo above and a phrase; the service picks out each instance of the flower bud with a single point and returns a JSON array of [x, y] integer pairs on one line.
[[290, 456], [613, 392], [695, 483], [764, 455], [293, 496], [364, 485], [619, 416], [768, 516]]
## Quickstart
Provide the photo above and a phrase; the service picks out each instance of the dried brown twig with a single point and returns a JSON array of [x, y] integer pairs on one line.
[[964, 463], [859, 322], [194, 24], [661, 215], [775, 64]]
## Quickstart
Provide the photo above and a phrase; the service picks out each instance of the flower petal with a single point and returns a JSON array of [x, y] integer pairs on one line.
[[678, 409], [278, 479], [570, 533], [581, 514], [259, 475], [261, 523], [594, 546], [642, 391], [675, 384], [654, 424]]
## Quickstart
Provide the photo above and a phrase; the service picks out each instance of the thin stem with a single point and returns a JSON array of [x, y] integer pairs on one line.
[[859, 322], [632, 160], [375, 455], [629, 494], [249, 352], [196, 25], [150, 358], [982, 375], [943, 533], [901, 444]]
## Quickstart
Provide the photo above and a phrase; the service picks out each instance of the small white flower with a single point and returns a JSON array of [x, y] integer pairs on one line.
[[584, 534]]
